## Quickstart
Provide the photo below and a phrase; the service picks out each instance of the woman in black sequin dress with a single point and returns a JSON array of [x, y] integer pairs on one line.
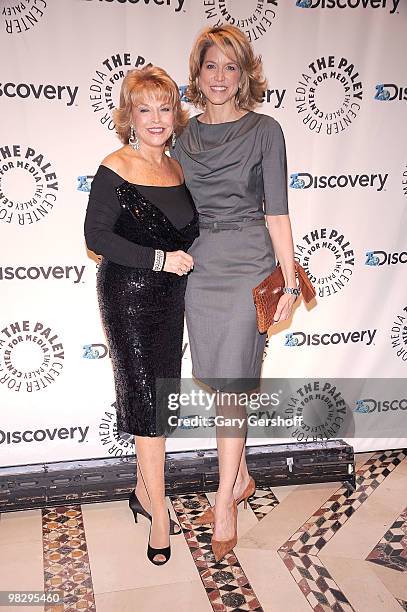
[[141, 220]]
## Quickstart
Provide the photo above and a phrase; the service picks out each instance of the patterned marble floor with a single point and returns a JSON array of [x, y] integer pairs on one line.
[[320, 546]]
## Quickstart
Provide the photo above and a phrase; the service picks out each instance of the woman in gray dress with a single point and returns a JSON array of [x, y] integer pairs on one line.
[[234, 165]]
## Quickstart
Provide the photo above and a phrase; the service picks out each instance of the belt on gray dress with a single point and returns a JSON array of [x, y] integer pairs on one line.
[[217, 226]]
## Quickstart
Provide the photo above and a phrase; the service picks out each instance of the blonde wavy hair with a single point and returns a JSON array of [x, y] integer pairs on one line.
[[137, 87], [227, 38]]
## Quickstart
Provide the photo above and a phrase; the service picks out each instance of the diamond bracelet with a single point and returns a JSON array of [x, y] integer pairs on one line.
[[159, 260]]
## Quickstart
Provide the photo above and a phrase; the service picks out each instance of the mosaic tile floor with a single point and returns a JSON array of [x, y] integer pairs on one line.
[[391, 551], [324, 547]]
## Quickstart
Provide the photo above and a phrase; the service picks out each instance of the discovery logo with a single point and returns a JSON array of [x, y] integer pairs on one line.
[[182, 92], [85, 182], [64, 93], [100, 351], [391, 5], [389, 92], [369, 405], [305, 180], [361, 407], [301, 338], [381, 258], [177, 5], [76, 434], [274, 97], [72, 273], [94, 351]]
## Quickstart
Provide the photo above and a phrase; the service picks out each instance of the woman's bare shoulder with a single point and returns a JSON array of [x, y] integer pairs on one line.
[[176, 167], [115, 160]]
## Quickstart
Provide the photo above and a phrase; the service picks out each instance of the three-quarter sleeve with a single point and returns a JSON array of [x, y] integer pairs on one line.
[[274, 167], [102, 213]]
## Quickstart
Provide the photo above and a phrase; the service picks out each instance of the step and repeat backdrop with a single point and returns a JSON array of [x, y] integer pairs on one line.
[[338, 86]]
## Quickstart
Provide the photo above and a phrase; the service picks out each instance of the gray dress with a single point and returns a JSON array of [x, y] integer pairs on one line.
[[236, 173]]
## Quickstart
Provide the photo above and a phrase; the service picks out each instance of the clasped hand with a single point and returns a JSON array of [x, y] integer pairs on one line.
[[178, 262], [284, 307]]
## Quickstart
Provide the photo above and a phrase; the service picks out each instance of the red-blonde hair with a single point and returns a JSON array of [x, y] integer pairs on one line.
[[139, 85]]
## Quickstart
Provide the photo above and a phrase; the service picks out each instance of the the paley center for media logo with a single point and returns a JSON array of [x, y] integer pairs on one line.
[[31, 356], [28, 184], [398, 334], [114, 442], [325, 109], [322, 407], [327, 256], [21, 17], [253, 17], [105, 84]]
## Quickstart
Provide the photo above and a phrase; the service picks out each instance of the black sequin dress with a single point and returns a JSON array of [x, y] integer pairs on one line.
[[142, 310]]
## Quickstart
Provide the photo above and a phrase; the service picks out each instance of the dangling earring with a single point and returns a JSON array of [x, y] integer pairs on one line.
[[133, 140], [173, 139]]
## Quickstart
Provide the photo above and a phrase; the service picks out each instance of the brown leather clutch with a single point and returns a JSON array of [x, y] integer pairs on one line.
[[269, 291]]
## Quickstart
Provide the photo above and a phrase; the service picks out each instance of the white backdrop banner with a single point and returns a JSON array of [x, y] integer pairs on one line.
[[338, 86]]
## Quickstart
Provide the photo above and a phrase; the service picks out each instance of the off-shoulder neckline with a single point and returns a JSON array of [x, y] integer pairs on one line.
[[140, 184]]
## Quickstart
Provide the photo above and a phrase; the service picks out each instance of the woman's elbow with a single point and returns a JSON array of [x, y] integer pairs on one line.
[[91, 240]]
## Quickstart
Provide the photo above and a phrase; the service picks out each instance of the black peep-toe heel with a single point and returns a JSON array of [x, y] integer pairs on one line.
[[136, 507], [152, 552]]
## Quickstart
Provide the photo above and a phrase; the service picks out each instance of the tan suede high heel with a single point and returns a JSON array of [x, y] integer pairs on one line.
[[220, 548], [209, 517]]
